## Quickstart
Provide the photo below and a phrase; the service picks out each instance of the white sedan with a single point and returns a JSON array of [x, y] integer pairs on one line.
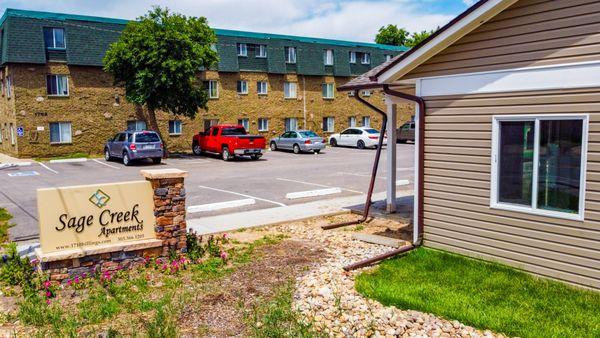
[[360, 137]]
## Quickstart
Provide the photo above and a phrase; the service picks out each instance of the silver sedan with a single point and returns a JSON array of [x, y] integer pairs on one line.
[[298, 141]]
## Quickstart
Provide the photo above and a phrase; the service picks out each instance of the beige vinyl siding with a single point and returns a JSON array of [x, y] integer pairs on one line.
[[457, 166], [529, 33]]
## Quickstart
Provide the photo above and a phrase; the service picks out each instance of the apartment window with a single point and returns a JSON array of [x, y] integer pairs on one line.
[[366, 93], [57, 85], [1, 132], [261, 87], [242, 49], [365, 59], [263, 124], [328, 124], [209, 123], [388, 57], [8, 86], [261, 51], [12, 134], [136, 125], [175, 127], [352, 57], [213, 47], [289, 90], [244, 123], [538, 164], [242, 87], [290, 54], [351, 93], [352, 121], [327, 90], [213, 89], [366, 121], [291, 123], [54, 37], [328, 57], [60, 132]]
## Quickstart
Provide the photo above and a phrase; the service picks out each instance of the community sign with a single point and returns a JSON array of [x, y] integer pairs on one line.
[[86, 216]]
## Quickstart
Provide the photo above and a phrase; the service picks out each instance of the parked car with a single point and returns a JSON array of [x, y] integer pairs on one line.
[[360, 137], [406, 132], [229, 141], [298, 141], [134, 145]]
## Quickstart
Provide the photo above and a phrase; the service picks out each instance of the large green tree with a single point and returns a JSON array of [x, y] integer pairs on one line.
[[392, 35], [157, 60]]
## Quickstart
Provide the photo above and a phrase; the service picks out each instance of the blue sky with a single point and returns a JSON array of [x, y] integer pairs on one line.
[[356, 20]]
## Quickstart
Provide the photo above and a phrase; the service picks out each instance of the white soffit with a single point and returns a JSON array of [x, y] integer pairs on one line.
[[564, 76], [467, 24]]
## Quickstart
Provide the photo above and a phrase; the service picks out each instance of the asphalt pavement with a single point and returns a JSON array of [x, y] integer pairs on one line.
[[214, 187]]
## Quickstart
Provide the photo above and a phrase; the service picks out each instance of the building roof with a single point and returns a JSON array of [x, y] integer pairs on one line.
[[223, 32]]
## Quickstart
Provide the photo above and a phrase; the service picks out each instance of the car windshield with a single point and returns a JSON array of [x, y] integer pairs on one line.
[[147, 137], [372, 131], [308, 134], [233, 131]]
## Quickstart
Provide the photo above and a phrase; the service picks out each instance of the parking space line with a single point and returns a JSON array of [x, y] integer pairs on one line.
[[317, 185], [402, 182], [69, 160], [221, 205], [105, 164], [48, 168], [243, 195], [360, 175], [312, 193]]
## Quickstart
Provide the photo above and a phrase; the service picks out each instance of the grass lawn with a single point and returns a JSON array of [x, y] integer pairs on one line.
[[4, 224], [483, 295]]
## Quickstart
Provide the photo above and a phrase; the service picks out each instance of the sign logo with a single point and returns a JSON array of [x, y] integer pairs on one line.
[[99, 198]]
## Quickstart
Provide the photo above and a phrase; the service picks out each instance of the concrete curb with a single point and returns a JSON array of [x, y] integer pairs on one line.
[[69, 160]]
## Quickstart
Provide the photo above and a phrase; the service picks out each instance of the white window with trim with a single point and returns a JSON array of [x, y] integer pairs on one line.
[[54, 37], [352, 121], [365, 59], [13, 140], [242, 49], [263, 124], [290, 90], [352, 57], [175, 127], [1, 134], [328, 124], [242, 87], [136, 125], [57, 85], [8, 86], [366, 121], [328, 90], [60, 132], [262, 87], [261, 51], [291, 123], [366, 93], [244, 122], [213, 89], [328, 57], [388, 57], [538, 164], [290, 54]]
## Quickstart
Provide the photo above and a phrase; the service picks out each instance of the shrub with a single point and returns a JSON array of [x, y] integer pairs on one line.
[[15, 270]]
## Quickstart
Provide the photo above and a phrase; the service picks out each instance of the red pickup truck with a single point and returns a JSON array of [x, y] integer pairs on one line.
[[228, 141]]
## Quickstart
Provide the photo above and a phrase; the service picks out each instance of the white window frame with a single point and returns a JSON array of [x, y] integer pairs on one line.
[[365, 59], [290, 85], [261, 51], [388, 57], [290, 56], [262, 87], [330, 124], [212, 83], [60, 126], [366, 93], [56, 77], [329, 91], [54, 29], [1, 134], [264, 126], [177, 127], [136, 123], [242, 49], [366, 118], [328, 57], [352, 57], [352, 122], [244, 122], [9, 86], [290, 119], [244, 87], [495, 204], [13, 139]]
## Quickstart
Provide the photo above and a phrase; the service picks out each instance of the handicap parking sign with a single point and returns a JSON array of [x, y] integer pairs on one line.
[[20, 131]]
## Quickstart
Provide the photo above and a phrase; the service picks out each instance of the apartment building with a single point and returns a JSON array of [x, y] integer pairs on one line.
[[56, 99]]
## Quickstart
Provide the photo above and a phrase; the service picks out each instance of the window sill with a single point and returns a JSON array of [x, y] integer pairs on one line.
[[538, 212], [60, 143], [242, 56], [290, 63], [213, 98], [57, 96], [57, 48], [260, 57], [262, 94], [329, 98], [242, 93], [290, 98], [263, 131]]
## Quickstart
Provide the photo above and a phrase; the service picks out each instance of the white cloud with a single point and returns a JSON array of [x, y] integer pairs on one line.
[[356, 20], [469, 2]]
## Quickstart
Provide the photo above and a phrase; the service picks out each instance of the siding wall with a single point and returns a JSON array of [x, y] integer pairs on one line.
[[457, 216], [529, 33]]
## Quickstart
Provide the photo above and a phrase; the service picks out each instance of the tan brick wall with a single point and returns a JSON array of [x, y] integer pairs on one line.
[[97, 110]]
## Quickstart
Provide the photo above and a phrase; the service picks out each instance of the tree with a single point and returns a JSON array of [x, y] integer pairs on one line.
[[157, 60], [392, 35], [417, 37]]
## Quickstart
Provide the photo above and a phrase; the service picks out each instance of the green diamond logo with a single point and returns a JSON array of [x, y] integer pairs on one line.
[[99, 198]]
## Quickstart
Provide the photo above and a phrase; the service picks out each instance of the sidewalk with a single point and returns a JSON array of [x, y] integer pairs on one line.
[[6, 161]]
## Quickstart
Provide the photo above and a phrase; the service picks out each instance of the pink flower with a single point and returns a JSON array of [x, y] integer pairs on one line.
[[224, 255], [76, 280], [48, 294], [225, 236], [34, 262], [84, 275], [47, 301], [47, 284], [69, 282]]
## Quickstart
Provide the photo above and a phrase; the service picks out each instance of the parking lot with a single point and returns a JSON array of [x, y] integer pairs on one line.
[[214, 186]]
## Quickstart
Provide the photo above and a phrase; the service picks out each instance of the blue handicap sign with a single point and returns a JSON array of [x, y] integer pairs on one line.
[[20, 131], [24, 173]]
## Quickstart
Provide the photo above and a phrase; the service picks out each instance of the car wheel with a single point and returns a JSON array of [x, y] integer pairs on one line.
[[296, 149], [360, 144], [225, 154], [317, 151], [273, 146], [157, 160], [196, 149], [107, 156], [402, 141], [254, 157], [333, 142], [126, 159]]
